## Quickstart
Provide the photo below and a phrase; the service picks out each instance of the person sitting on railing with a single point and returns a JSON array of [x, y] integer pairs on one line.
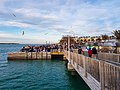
[[48, 49], [32, 49], [36, 48], [23, 49], [27, 48]]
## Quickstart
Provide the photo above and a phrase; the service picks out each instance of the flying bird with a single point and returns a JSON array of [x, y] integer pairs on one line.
[[14, 15], [46, 33], [23, 33]]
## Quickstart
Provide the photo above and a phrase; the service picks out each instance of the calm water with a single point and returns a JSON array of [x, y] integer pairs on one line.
[[36, 74]]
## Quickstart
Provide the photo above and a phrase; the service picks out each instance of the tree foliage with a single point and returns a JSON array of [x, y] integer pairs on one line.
[[105, 37], [65, 40], [116, 34]]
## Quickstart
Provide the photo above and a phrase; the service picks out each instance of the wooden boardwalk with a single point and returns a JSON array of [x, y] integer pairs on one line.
[[99, 75]]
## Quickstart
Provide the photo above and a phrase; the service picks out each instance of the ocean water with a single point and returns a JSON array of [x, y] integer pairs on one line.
[[35, 74]]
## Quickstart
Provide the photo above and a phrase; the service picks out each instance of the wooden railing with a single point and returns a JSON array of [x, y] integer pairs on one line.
[[110, 76], [109, 56], [106, 74], [92, 67], [104, 56]]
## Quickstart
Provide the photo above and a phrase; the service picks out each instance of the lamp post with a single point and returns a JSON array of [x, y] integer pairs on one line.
[[46, 47], [69, 48], [70, 67]]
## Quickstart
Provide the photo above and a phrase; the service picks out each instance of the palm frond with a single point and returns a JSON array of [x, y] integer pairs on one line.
[[116, 34]]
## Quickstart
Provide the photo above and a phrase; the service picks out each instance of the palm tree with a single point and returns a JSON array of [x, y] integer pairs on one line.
[[117, 34]]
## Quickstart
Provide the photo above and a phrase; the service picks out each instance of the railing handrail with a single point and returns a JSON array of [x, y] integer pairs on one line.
[[109, 53], [102, 71], [111, 57], [99, 60]]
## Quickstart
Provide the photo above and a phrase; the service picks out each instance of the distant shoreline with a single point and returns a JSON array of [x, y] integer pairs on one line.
[[9, 43]]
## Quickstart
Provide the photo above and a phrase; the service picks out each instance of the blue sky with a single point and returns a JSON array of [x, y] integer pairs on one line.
[[48, 20]]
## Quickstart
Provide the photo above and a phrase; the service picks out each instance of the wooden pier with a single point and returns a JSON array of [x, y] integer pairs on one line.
[[98, 74], [35, 55]]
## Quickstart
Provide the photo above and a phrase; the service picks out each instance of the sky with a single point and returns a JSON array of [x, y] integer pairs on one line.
[[46, 21]]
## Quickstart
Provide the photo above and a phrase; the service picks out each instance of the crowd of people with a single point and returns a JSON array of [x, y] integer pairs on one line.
[[45, 48], [92, 52]]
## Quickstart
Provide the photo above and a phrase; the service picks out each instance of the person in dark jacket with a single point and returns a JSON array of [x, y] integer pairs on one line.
[[94, 52], [79, 50]]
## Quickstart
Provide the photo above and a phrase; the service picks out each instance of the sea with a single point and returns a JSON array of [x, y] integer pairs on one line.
[[35, 74]]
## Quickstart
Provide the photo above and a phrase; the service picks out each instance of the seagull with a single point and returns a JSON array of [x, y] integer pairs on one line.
[[14, 15], [23, 33], [46, 33]]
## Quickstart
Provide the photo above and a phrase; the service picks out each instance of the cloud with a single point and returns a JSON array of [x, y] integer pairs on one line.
[[34, 13], [6, 37], [56, 17], [14, 23]]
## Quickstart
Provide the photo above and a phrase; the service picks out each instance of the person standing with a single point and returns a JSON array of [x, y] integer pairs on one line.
[[94, 52], [89, 52], [80, 50]]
